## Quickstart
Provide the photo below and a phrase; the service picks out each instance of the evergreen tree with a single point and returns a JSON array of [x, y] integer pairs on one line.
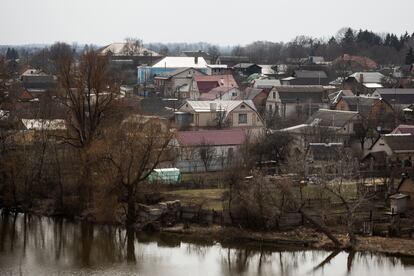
[[409, 58], [348, 41]]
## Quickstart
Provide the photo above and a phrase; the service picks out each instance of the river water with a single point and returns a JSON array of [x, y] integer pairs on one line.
[[31, 245]]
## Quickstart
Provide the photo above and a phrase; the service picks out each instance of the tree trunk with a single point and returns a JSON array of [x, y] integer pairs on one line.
[[321, 228], [131, 211]]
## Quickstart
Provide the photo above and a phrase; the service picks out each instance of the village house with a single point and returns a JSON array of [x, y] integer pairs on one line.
[[399, 98], [167, 65], [378, 112], [363, 82], [336, 96], [218, 69], [224, 93], [266, 83], [258, 96], [178, 84], [306, 77], [37, 80], [230, 61], [220, 114], [343, 122], [207, 150], [247, 69], [406, 187], [204, 84], [297, 100], [399, 149], [269, 71]]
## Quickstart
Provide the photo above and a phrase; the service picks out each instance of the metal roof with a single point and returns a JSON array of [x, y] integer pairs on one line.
[[181, 62]]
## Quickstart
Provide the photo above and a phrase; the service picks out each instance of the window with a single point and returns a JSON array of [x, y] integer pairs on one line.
[[274, 95], [242, 118], [242, 106], [270, 107]]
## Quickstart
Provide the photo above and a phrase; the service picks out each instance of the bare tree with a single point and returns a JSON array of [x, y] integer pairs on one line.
[[207, 154], [132, 153], [133, 46]]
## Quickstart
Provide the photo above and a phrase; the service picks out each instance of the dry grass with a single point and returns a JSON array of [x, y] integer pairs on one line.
[[208, 198]]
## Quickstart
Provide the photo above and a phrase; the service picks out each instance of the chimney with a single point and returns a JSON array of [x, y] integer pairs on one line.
[[213, 107], [196, 59], [361, 78]]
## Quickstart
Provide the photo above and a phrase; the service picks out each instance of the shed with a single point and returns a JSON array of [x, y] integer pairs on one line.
[[165, 175], [398, 203]]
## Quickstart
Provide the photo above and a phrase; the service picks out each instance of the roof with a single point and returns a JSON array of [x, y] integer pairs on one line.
[[361, 104], [34, 72], [301, 93], [180, 62], [336, 96], [368, 77], [207, 83], [118, 49], [228, 106], [400, 142], [211, 137], [266, 83], [308, 74], [398, 196], [215, 93], [250, 93], [168, 75], [245, 65], [268, 69], [403, 129], [219, 66], [42, 124], [373, 85], [399, 95], [334, 118]]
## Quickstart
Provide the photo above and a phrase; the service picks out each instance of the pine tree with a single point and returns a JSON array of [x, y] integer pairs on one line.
[[409, 58]]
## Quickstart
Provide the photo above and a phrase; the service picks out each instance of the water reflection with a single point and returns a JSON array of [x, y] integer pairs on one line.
[[31, 245]]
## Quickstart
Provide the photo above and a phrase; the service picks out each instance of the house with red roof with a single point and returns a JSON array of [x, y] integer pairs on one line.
[[207, 150], [204, 84]]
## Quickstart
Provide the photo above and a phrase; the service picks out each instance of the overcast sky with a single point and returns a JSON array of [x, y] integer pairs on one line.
[[224, 22]]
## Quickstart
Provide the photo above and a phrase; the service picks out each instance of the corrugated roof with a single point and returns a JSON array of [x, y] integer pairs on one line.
[[118, 49], [368, 77], [222, 137], [266, 83], [331, 118], [228, 106], [308, 74], [181, 62], [400, 142], [41, 124]]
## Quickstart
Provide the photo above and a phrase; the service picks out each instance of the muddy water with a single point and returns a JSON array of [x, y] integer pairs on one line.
[[31, 245]]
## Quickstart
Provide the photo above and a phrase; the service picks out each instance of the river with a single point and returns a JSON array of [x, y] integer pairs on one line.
[[32, 245]]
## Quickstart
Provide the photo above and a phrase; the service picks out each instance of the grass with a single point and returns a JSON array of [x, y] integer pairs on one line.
[[208, 198]]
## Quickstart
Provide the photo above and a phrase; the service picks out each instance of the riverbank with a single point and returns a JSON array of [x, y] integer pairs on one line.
[[300, 237], [304, 237]]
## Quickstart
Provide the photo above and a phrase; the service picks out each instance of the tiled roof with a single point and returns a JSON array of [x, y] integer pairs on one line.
[[211, 137], [301, 93], [207, 83]]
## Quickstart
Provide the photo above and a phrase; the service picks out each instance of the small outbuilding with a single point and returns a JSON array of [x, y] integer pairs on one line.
[[165, 176], [398, 203]]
